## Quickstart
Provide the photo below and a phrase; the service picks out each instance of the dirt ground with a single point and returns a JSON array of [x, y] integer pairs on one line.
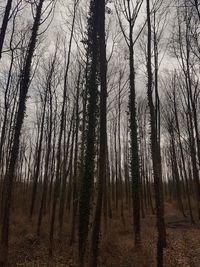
[[117, 248]]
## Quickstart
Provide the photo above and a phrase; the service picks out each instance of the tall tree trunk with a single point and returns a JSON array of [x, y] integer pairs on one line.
[[75, 178], [9, 177], [135, 165], [156, 158], [103, 137], [38, 157], [48, 150], [182, 157], [60, 137], [88, 176]]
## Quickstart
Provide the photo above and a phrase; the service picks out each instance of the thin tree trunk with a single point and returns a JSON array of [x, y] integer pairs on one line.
[[9, 177], [4, 25], [156, 158]]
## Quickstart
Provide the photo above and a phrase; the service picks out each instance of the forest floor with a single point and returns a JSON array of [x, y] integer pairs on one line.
[[117, 249]]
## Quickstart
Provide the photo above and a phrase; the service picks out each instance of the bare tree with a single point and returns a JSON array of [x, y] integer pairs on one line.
[[155, 149], [9, 177]]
